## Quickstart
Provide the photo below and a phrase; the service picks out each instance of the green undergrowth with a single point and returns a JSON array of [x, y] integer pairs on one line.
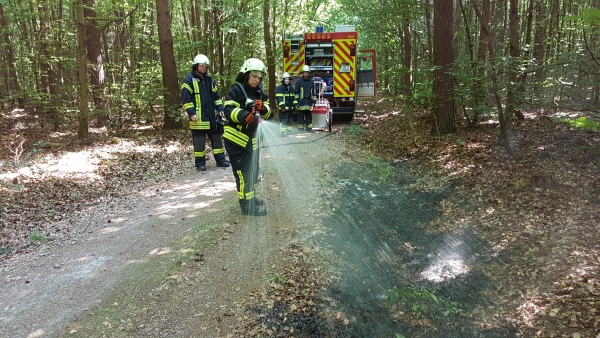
[[579, 123]]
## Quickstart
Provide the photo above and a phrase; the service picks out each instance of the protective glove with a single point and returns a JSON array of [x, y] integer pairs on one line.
[[259, 105], [250, 118]]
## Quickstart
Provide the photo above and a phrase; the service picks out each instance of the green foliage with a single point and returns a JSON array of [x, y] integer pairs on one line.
[[379, 168], [5, 251], [355, 130], [579, 123], [17, 187], [49, 214], [35, 235], [423, 301], [37, 147], [590, 16], [276, 279]]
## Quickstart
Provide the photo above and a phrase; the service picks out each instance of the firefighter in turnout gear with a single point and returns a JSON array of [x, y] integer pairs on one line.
[[245, 106], [286, 101], [305, 98], [201, 100]]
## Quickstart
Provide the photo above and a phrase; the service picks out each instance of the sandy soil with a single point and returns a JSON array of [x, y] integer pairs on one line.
[[176, 259]]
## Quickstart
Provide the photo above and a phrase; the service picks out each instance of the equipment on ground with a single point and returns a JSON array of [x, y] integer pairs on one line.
[[348, 73]]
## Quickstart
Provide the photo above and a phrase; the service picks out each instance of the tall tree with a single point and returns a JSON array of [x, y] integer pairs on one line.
[[538, 46], [444, 108], [407, 63], [10, 55], [47, 72], [514, 65], [83, 129], [169, 67], [94, 54], [270, 54]]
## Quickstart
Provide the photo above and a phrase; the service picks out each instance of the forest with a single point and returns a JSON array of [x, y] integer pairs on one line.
[[497, 101], [77, 64]]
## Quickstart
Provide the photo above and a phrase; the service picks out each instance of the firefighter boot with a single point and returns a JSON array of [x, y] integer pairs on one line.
[[259, 202], [221, 161], [201, 163], [250, 209]]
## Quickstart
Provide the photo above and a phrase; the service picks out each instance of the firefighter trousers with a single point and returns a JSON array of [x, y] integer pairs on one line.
[[286, 120], [199, 142], [244, 165], [304, 119]]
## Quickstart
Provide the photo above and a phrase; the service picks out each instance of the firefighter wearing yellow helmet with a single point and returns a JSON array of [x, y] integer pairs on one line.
[[203, 104], [286, 101], [245, 106], [305, 98]]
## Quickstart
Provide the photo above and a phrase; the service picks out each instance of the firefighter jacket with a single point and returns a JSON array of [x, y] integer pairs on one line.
[[304, 92], [237, 131], [286, 99], [200, 97]]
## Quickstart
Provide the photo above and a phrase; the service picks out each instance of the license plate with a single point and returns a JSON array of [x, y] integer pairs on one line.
[[345, 68]]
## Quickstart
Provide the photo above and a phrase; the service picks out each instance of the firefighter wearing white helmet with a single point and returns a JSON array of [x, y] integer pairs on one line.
[[286, 101], [204, 106], [245, 106], [306, 98]]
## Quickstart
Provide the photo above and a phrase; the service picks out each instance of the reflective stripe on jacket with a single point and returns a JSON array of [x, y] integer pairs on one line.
[[305, 93], [284, 94], [200, 97], [236, 130]]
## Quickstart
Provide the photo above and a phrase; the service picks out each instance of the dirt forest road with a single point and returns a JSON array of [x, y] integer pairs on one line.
[[343, 252]]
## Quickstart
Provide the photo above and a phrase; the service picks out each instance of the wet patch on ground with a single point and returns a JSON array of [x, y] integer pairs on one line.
[[393, 277]]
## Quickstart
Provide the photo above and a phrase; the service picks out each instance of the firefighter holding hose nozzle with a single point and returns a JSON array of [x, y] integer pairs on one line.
[[245, 106]]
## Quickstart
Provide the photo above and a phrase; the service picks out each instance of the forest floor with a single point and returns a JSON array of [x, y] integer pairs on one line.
[[119, 236]]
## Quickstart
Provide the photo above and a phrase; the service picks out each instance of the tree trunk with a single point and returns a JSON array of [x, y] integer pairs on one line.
[[94, 55], [48, 108], [82, 131], [538, 47], [444, 109], [10, 55], [428, 30], [406, 39], [169, 67], [513, 40], [269, 50]]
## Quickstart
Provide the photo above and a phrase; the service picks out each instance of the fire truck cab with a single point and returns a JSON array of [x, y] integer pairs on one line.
[[348, 73]]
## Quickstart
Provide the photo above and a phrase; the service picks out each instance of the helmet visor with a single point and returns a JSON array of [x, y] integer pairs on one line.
[[202, 64], [257, 73]]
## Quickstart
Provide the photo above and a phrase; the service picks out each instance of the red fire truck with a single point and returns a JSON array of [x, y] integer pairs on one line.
[[348, 73]]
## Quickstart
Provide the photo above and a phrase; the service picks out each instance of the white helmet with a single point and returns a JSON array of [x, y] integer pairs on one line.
[[306, 68], [253, 64], [285, 75], [201, 59]]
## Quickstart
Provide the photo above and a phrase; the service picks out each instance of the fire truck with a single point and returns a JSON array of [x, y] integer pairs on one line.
[[333, 57]]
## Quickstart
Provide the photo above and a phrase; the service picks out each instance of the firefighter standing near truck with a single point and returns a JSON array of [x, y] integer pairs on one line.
[[305, 98], [201, 100], [286, 101], [245, 106]]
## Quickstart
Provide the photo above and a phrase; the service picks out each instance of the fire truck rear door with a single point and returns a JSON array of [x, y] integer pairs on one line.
[[365, 75]]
